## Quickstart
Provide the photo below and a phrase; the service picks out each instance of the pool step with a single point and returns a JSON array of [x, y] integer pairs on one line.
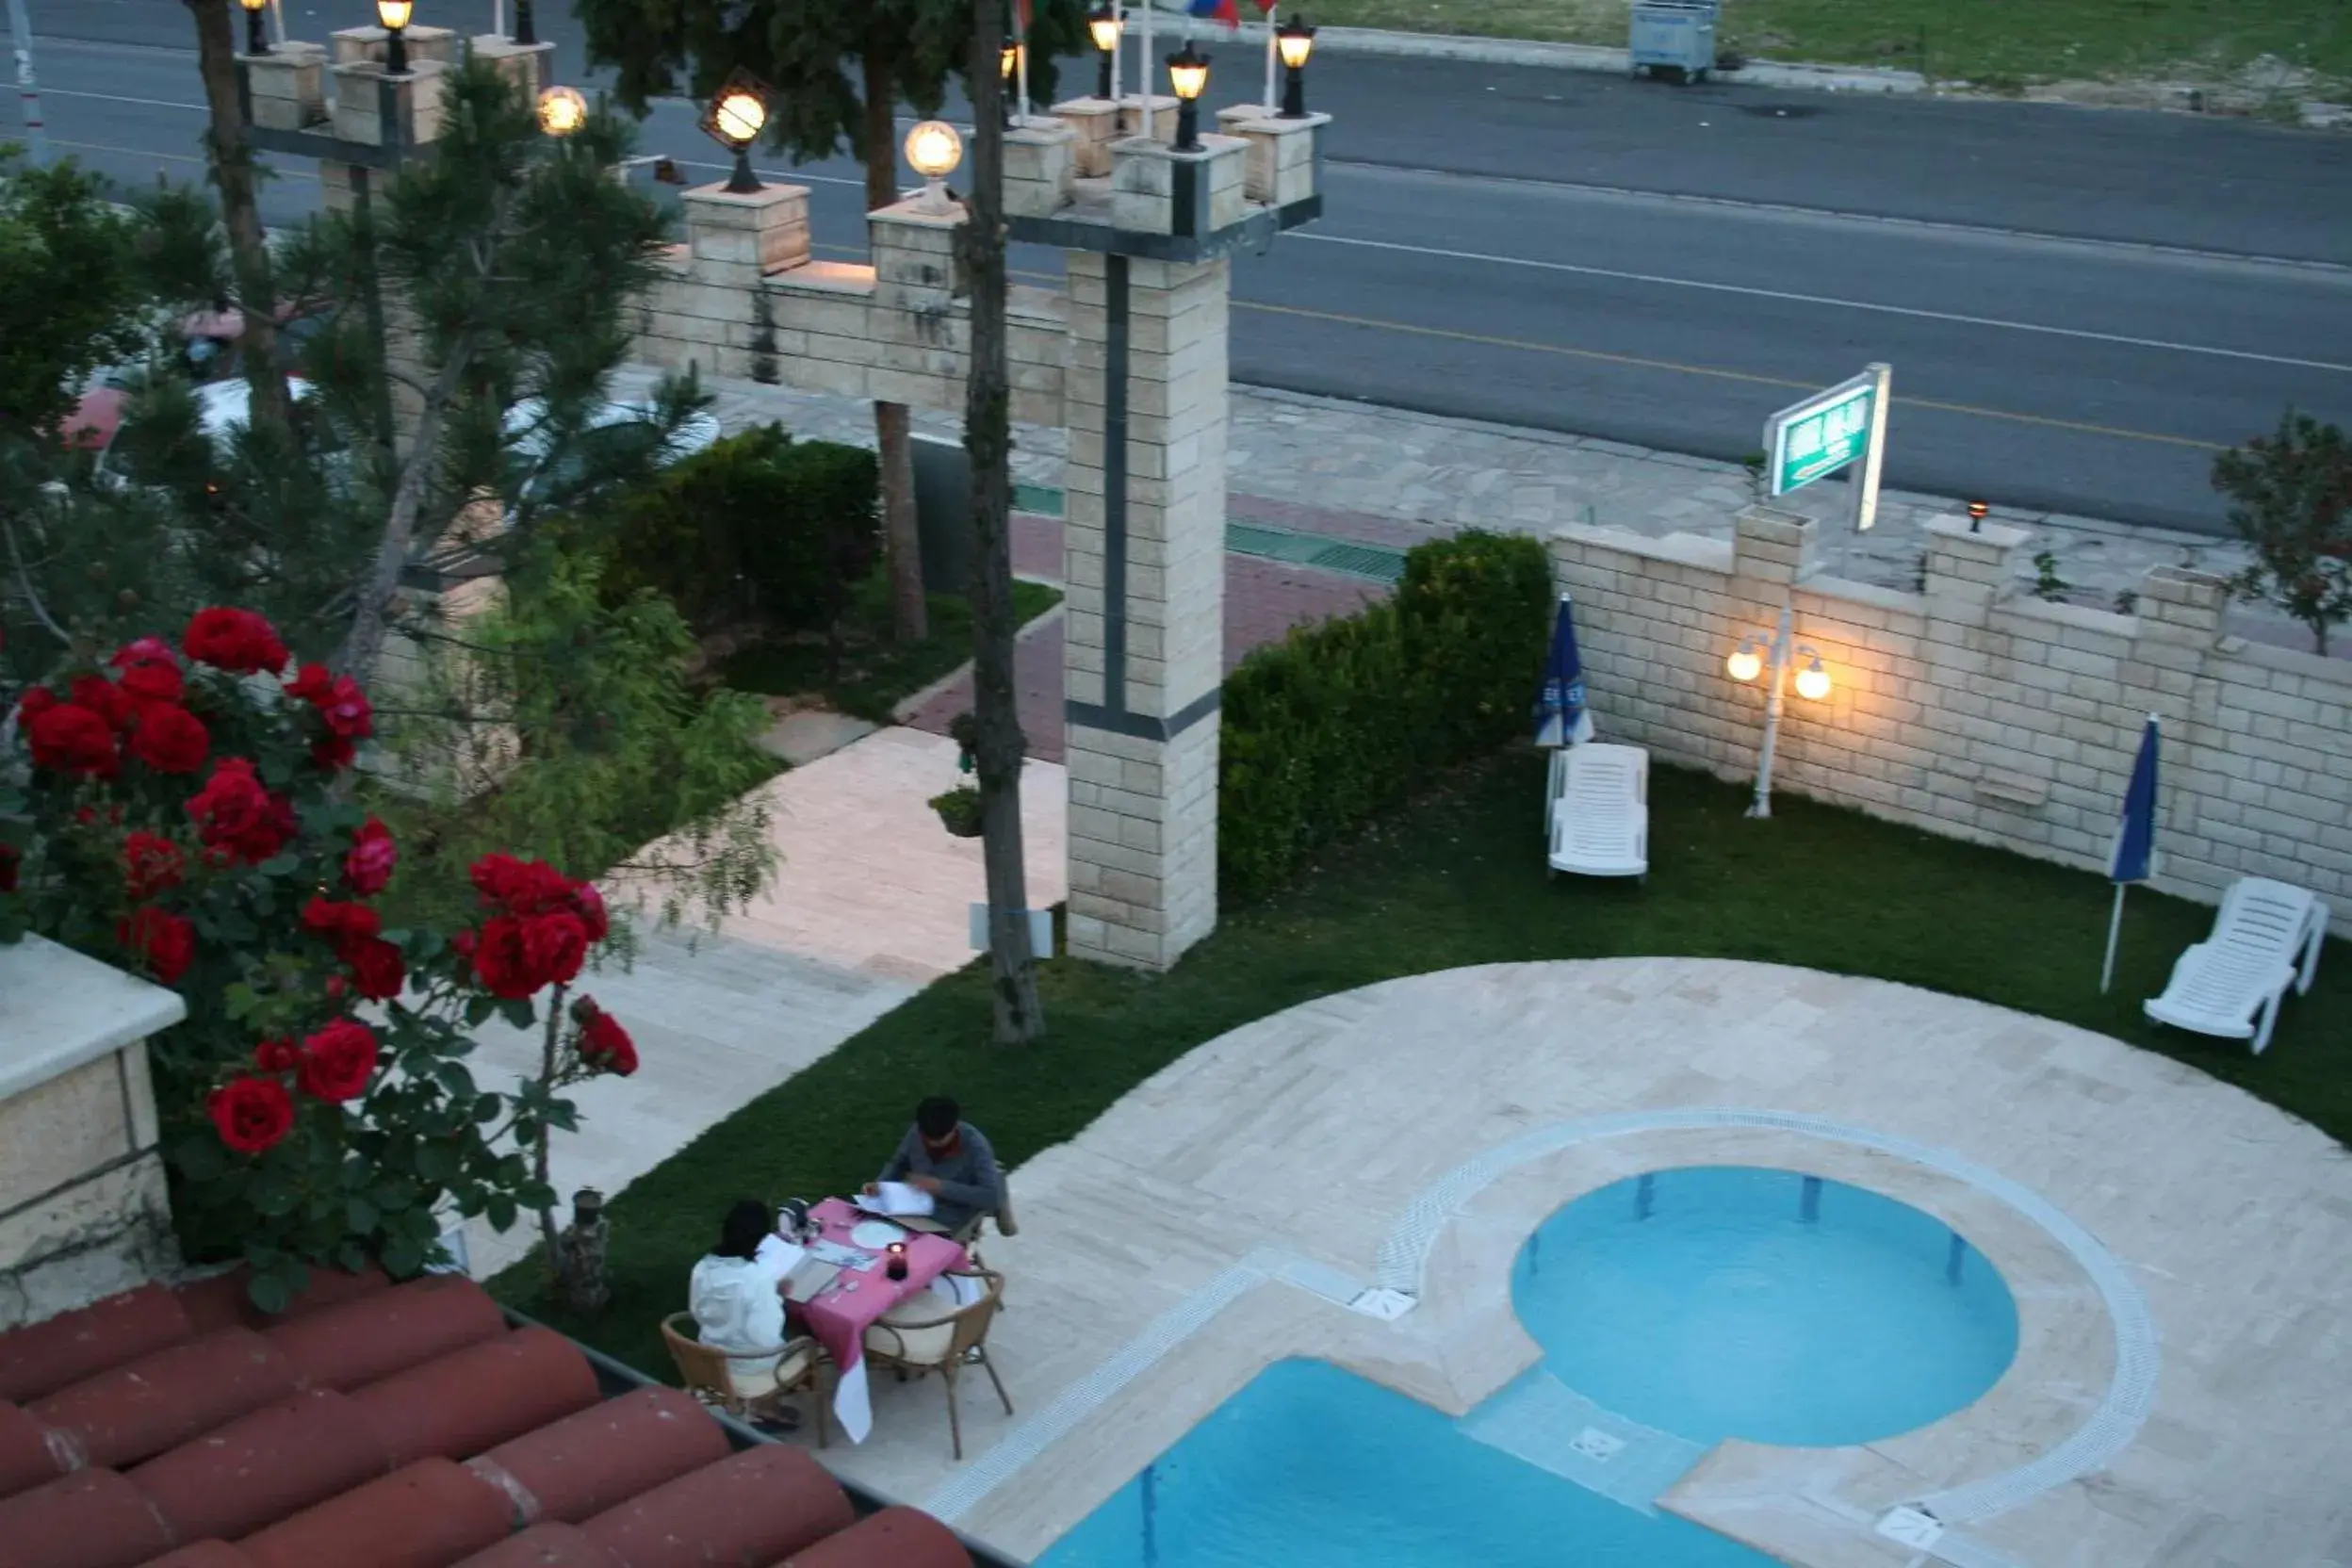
[[1543, 1422]]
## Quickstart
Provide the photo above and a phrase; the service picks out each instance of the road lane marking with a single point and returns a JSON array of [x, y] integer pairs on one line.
[[1712, 372], [122, 98], [1788, 297], [176, 157]]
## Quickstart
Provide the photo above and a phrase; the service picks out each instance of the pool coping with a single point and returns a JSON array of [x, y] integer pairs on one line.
[[2081, 1323]]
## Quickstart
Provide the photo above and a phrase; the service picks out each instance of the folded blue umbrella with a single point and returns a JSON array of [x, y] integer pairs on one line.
[[1561, 716]]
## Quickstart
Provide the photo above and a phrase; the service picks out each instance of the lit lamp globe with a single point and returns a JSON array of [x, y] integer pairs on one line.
[[735, 120], [933, 151], [561, 110], [1294, 41], [1188, 77], [1813, 681], [1102, 27], [740, 116], [1745, 664]]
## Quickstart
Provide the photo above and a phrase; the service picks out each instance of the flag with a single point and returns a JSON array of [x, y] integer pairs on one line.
[[1225, 13], [1561, 717], [2132, 858]]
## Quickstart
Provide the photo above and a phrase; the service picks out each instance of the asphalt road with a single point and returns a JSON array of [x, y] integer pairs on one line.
[[2081, 306]]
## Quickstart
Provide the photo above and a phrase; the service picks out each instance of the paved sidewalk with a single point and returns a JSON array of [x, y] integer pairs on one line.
[[1382, 476]]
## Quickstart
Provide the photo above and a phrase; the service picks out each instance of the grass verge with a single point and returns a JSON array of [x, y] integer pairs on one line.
[[876, 673], [1991, 44], [1458, 879]]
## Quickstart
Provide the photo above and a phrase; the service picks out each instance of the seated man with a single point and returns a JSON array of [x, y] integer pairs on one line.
[[949, 1158], [738, 1304]]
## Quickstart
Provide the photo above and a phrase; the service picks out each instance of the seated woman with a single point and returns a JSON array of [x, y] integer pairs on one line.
[[738, 1304]]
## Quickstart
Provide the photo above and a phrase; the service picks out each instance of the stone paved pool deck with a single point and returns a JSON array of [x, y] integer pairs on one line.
[[1217, 1218]]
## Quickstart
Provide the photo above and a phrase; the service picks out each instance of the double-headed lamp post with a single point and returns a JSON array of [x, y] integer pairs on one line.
[[1188, 76], [1812, 682], [394, 15], [256, 41], [1102, 27], [734, 120], [1295, 41], [933, 151]]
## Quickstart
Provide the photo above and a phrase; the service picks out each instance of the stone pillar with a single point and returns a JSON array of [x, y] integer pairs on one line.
[[1283, 154], [1040, 163], [288, 85], [737, 239], [1163, 117], [1772, 548], [1144, 556], [1096, 124], [1968, 571], [1157, 189], [529, 66], [355, 44], [83, 1209]]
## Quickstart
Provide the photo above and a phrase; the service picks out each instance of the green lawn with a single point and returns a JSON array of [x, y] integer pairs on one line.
[[1993, 41], [876, 673], [1459, 879]]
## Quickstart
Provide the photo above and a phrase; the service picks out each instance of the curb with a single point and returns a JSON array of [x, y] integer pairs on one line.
[[1566, 57]]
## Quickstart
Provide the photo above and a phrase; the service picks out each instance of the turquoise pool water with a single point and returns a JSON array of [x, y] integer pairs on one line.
[[1673, 1310]]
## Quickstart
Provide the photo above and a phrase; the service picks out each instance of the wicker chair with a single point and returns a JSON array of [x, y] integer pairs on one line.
[[925, 1333], [709, 1373]]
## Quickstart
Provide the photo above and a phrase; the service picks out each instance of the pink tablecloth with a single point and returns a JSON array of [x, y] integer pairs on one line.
[[840, 1316]]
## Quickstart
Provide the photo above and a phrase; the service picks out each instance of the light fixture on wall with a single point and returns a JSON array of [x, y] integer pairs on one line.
[[1188, 76], [1295, 41], [256, 41], [394, 15], [561, 110], [1745, 663], [1102, 27], [1772, 659], [735, 119], [933, 151], [1812, 681]]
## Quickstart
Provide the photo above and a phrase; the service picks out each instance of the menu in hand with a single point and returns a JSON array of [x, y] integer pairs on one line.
[[895, 1198]]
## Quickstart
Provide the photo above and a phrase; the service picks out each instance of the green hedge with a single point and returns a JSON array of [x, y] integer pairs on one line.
[[754, 527], [1339, 722]]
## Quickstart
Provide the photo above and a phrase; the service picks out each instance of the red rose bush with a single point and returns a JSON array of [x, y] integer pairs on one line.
[[183, 812]]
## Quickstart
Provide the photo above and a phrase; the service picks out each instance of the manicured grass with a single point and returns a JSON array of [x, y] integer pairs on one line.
[[876, 673], [1993, 44], [1459, 879]]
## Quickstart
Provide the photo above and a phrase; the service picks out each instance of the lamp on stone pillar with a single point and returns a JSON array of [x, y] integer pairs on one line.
[[1295, 41], [1008, 62], [933, 151], [256, 41], [561, 110], [1188, 77], [524, 31], [734, 120], [1102, 27], [394, 15]]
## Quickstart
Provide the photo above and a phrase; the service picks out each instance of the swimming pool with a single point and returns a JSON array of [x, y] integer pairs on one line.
[[1675, 1310]]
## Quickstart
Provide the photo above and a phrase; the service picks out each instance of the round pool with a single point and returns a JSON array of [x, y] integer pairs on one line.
[[1716, 1302]]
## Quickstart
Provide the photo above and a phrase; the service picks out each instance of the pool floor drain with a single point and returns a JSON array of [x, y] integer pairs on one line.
[[1387, 1305], [1594, 1443]]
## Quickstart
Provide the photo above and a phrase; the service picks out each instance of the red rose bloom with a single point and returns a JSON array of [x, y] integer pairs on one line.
[[106, 699], [346, 710], [151, 863], [69, 738], [378, 968], [332, 753], [252, 1114], [238, 818], [169, 739], [341, 923], [367, 869], [151, 671], [520, 953], [606, 1046], [535, 887], [310, 684], [237, 641], [277, 1055], [167, 943], [339, 1060], [33, 704]]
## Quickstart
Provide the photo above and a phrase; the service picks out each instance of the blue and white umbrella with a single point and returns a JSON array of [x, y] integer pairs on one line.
[[2133, 856], [1561, 716]]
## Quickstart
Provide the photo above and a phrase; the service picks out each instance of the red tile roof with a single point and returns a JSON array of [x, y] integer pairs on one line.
[[382, 1426]]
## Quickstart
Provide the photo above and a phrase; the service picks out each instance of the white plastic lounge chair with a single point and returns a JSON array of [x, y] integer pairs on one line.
[[1555, 785], [2266, 937], [1601, 819]]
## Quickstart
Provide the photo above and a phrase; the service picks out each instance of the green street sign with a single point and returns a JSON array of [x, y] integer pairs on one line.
[[1817, 437]]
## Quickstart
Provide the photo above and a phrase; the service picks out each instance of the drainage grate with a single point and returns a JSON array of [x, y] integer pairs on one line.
[[1307, 549], [1381, 565]]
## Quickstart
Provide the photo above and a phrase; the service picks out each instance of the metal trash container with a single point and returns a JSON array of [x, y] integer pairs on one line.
[[946, 539], [1674, 39]]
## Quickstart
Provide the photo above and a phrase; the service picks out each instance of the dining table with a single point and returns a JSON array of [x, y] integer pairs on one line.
[[856, 1297]]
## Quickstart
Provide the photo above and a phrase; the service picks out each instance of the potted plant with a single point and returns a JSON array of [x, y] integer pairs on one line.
[[964, 729], [959, 810]]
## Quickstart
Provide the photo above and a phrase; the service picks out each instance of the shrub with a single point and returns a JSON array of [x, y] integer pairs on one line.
[[1339, 722], [753, 526]]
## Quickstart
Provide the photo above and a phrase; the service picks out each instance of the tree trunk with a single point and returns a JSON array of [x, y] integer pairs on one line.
[[370, 619], [910, 620], [988, 440], [249, 249], [548, 1235]]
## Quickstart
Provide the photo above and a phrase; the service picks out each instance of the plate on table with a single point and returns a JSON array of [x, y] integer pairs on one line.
[[875, 1234]]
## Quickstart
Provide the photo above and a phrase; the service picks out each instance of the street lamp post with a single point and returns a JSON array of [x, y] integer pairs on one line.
[[1812, 682], [524, 31], [1008, 63], [394, 15], [1188, 74], [1295, 42], [734, 120], [1102, 27], [257, 41]]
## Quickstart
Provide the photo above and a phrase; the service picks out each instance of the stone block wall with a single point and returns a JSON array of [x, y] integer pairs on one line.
[[1967, 710], [83, 1210]]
